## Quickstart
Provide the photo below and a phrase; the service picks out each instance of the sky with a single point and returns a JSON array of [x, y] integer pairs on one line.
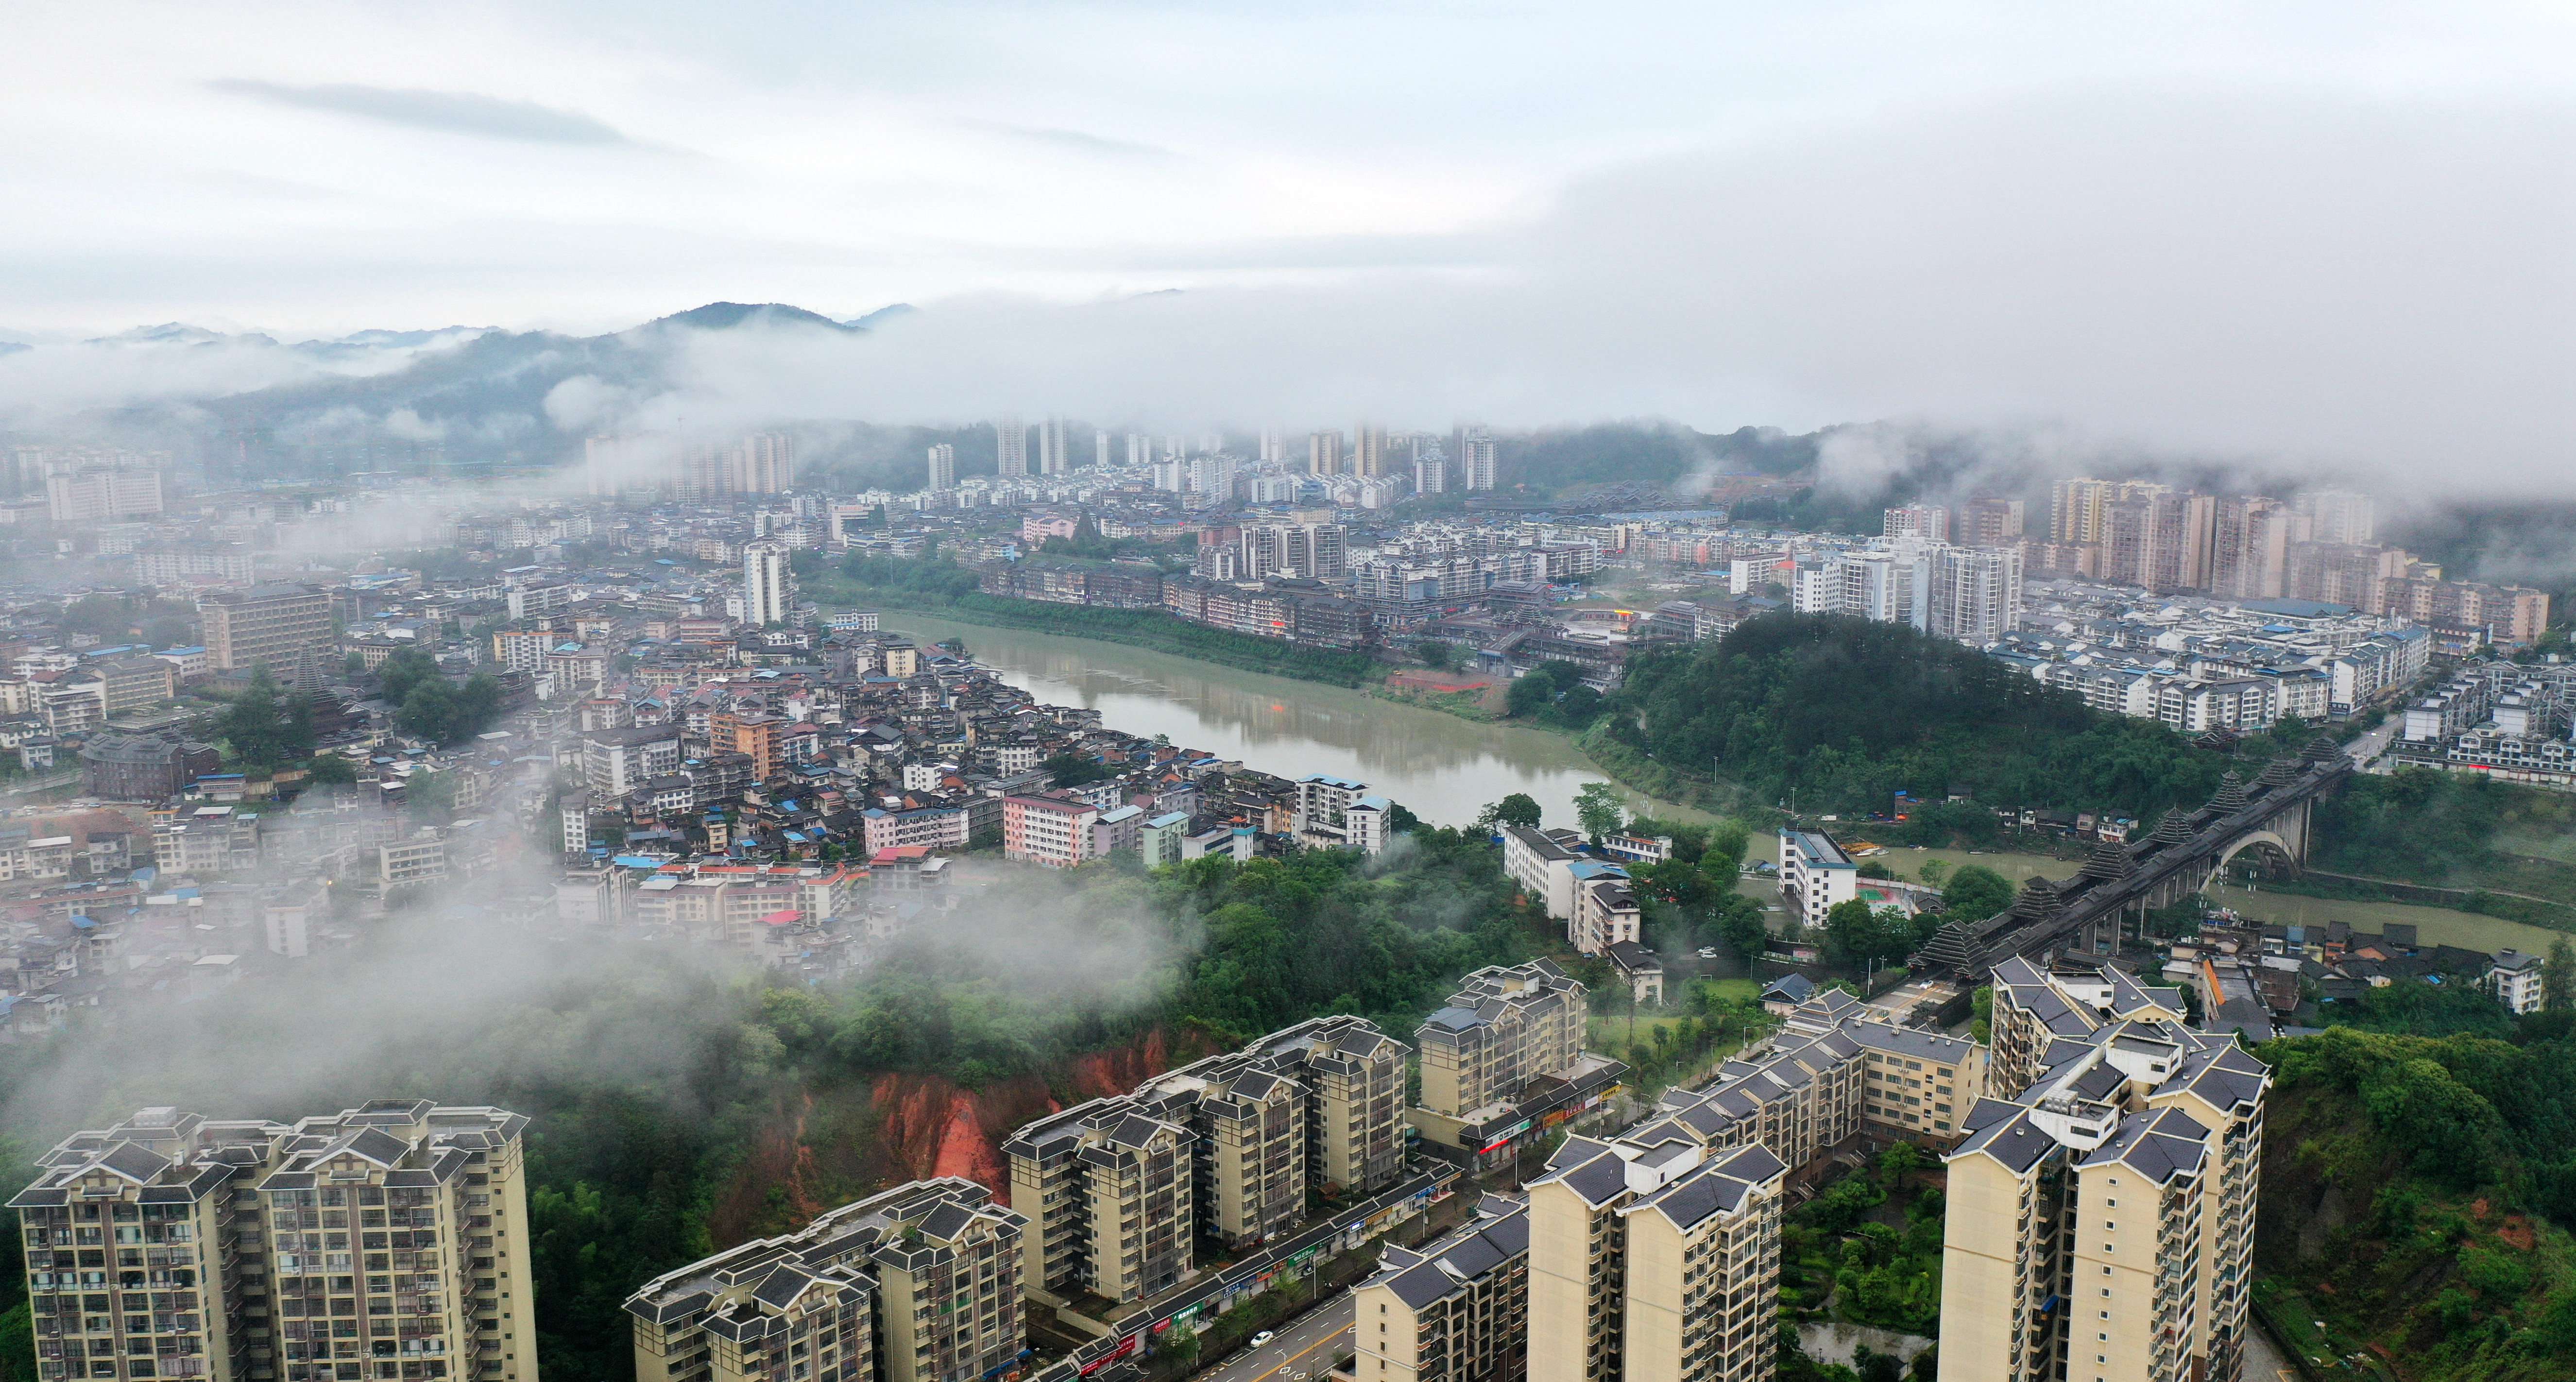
[[2338, 230]]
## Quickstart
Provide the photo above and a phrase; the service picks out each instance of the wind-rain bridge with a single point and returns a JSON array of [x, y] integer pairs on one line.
[[2082, 918]]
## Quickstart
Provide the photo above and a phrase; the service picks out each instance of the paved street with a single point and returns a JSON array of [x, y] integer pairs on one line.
[[2367, 749], [1303, 1351]]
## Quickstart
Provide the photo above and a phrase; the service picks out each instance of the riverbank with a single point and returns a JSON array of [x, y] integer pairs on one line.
[[1151, 629], [1442, 767]]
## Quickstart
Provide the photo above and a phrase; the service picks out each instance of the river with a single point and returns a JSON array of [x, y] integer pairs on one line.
[[1438, 766]]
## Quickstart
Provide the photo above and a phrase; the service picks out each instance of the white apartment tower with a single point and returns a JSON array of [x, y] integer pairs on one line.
[[1011, 447], [1052, 459], [943, 467], [1324, 453], [1973, 594], [1475, 458], [767, 594]]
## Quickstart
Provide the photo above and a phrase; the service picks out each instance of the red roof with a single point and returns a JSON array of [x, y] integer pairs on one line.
[[782, 917]]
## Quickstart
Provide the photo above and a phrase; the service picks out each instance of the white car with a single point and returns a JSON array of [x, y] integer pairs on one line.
[[1261, 1338]]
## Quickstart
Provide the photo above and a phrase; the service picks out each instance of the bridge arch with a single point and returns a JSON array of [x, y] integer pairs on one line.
[[2268, 840]]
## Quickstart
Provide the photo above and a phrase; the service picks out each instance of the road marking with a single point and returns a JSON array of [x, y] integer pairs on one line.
[[1319, 1343]]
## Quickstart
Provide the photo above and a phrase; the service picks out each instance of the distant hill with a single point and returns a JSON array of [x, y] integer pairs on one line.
[[724, 316]]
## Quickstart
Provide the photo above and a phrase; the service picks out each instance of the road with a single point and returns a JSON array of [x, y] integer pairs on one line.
[[1304, 1350], [2366, 749]]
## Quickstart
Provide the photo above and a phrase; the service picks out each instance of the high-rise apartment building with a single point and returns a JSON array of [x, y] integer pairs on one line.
[[1506, 1048], [2100, 1219], [768, 594], [388, 1243], [2075, 509], [1324, 453], [920, 1283], [1654, 1258], [1368, 451], [1430, 471], [762, 463], [285, 628], [1454, 1310], [1100, 448], [2341, 573], [1986, 521], [1475, 458], [1052, 457], [1972, 594], [2336, 515], [2250, 546], [99, 495], [1011, 447], [1318, 551], [1234, 1144], [943, 466], [1930, 522]]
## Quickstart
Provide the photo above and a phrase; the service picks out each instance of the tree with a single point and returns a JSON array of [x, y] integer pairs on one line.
[[1975, 893], [1517, 809], [2558, 976], [1438, 652], [328, 768], [1857, 934], [1933, 870], [264, 727], [1598, 807]]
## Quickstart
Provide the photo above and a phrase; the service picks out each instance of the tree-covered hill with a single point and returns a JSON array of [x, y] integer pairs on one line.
[[1844, 713], [2417, 1198]]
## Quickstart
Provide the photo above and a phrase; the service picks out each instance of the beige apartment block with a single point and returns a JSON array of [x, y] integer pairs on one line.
[[2119, 1184], [1504, 1027], [1455, 1310], [387, 1243], [1837, 1068], [1654, 1258], [920, 1283], [1107, 1192], [1314, 1109], [285, 628]]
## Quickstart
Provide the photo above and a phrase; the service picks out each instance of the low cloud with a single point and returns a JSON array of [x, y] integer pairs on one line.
[[446, 112], [1071, 141]]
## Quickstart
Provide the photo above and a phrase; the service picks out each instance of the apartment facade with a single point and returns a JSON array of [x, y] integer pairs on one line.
[[1317, 1108], [920, 1283], [1052, 831], [2101, 1219], [1815, 875], [1654, 1259], [286, 628], [388, 1242], [1453, 1310], [1504, 1027], [1107, 1191]]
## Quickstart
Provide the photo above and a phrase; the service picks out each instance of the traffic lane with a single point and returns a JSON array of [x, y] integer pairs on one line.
[[1307, 1345]]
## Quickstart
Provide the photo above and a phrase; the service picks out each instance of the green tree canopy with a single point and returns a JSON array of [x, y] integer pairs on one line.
[[1975, 893], [1598, 808], [1517, 809], [267, 727]]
